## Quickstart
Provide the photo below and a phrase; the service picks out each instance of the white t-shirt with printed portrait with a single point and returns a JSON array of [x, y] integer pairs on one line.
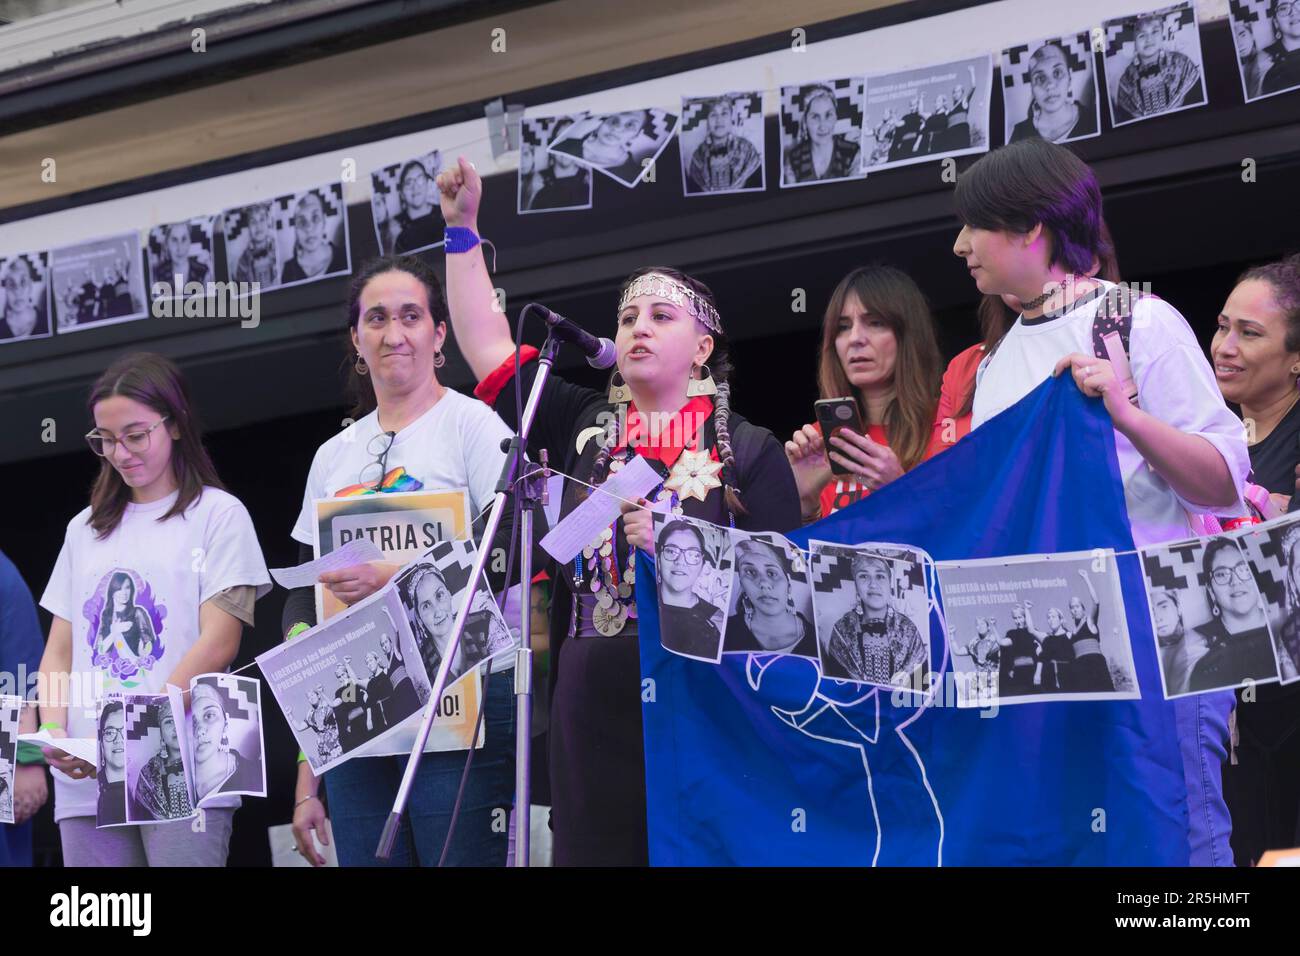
[[133, 601], [1175, 384]]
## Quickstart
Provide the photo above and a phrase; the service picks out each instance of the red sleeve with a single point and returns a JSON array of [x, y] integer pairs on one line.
[[958, 380], [487, 390]]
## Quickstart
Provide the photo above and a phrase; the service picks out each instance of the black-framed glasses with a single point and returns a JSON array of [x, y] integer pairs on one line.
[[692, 556], [379, 446], [1225, 575], [111, 735], [136, 442]]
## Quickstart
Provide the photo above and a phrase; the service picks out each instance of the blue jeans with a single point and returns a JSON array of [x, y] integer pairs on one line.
[[361, 794], [1202, 722]]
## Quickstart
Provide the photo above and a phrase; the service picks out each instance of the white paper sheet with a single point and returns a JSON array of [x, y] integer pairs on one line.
[[357, 551], [598, 512], [82, 748]]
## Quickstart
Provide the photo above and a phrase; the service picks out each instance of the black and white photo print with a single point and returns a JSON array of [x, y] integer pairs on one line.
[[10, 710], [623, 145], [871, 611], [24, 297], [693, 568], [771, 601], [251, 254], [927, 113], [821, 132], [549, 182], [312, 235], [98, 282], [226, 735], [721, 143], [1211, 629], [1273, 550], [178, 254], [1153, 63], [1049, 90], [110, 809], [404, 203], [1267, 37], [1037, 627], [158, 785]]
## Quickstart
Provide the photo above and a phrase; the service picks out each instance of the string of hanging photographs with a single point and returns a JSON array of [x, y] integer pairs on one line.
[[152, 767], [831, 130], [1224, 611]]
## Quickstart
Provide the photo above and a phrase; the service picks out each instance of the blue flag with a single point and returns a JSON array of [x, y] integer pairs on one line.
[[761, 761]]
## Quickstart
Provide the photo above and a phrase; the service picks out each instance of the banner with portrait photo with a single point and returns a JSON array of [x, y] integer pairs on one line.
[[871, 607], [10, 710], [624, 146], [1153, 63], [1209, 620], [178, 254], [771, 601], [97, 282], [927, 113], [549, 182], [25, 297], [1267, 38], [402, 524], [1038, 627], [405, 206], [722, 144], [693, 573], [1049, 90], [1273, 550], [821, 132]]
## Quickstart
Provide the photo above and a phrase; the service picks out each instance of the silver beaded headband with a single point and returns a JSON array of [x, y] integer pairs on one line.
[[663, 287]]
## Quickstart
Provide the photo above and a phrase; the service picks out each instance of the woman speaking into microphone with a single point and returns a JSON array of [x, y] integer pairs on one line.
[[673, 369]]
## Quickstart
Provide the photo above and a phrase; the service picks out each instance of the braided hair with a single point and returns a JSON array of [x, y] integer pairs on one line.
[[720, 367]]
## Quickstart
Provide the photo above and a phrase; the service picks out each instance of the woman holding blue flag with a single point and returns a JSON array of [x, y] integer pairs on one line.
[[1031, 214]]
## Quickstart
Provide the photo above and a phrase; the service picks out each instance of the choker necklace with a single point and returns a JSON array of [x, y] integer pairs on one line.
[[1039, 300]]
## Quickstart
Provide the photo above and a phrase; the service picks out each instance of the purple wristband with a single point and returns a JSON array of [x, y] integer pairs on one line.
[[459, 239]]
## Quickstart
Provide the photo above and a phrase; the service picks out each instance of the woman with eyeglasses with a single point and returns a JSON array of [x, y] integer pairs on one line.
[[1236, 634], [170, 560], [407, 432], [111, 805], [686, 619]]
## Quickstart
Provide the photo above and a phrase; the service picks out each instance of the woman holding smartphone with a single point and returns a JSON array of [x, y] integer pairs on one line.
[[878, 350]]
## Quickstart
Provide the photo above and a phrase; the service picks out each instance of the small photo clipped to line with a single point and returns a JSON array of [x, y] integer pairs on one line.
[[24, 297], [623, 145], [1153, 64], [821, 132], [872, 615], [1049, 90], [180, 253], [771, 601], [721, 143], [405, 207], [1038, 628], [10, 710], [288, 240], [157, 768], [693, 562], [1211, 629], [98, 282], [927, 113], [1267, 38], [110, 808], [226, 735], [1273, 550], [549, 182]]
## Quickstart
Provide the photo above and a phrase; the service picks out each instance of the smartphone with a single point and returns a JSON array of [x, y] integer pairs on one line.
[[834, 414]]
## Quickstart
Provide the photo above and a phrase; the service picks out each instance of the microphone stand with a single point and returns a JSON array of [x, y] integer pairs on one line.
[[532, 494]]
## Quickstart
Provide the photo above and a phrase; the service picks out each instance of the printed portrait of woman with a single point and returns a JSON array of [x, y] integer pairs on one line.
[[1057, 112], [161, 790], [875, 642], [219, 765], [314, 252], [111, 773], [689, 623], [770, 613], [607, 143], [1287, 629], [819, 153], [126, 630], [1238, 646], [24, 301]]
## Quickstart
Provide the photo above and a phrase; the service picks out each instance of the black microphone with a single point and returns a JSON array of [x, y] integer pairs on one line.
[[600, 352]]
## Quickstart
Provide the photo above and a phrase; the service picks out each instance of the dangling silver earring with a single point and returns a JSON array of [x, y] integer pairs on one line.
[[439, 358], [360, 365], [704, 385], [619, 393]]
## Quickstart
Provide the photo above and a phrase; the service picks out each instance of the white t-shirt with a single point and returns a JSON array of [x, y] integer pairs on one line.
[[1175, 384], [455, 444], [156, 575]]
